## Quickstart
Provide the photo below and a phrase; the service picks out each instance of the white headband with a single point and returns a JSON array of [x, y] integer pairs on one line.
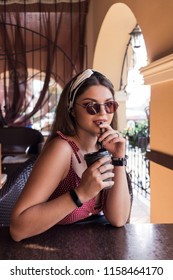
[[76, 85]]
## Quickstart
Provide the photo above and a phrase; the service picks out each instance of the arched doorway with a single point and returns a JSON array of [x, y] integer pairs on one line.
[[110, 56], [110, 49]]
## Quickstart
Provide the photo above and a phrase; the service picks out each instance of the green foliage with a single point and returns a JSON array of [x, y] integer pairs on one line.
[[137, 133]]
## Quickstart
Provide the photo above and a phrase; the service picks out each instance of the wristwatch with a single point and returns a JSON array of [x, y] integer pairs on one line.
[[119, 161]]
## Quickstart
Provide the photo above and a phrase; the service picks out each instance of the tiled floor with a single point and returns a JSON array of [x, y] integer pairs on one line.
[[140, 209]]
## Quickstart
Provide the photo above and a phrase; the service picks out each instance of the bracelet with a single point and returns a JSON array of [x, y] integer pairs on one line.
[[119, 161], [75, 198]]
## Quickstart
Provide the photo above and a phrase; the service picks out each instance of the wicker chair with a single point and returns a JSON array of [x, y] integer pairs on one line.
[[18, 145], [12, 189]]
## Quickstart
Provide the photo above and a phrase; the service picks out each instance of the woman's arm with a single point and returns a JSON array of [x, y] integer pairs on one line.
[[32, 213], [118, 199]]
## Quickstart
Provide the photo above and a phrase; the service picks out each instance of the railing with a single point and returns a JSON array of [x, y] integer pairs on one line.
[[138, 167]]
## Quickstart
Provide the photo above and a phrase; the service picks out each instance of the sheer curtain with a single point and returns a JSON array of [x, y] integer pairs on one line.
[[37, 40]]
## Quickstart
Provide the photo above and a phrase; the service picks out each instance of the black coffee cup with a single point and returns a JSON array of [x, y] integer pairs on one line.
[[90, 158]]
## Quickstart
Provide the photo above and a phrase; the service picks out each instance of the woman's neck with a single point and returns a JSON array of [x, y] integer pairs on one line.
[[87, 143]]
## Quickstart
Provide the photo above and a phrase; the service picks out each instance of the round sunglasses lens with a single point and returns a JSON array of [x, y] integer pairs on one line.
[[93, 109], [110, 107]]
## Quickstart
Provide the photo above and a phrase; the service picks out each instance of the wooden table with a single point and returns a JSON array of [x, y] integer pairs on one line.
[[94, 242]]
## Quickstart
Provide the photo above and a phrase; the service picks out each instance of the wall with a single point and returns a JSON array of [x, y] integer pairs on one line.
[[162, 116], [161, 210], [159, 74], [153, 16], [161, 140]]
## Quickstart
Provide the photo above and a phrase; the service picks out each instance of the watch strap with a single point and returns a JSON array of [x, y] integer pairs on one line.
[[75, 198], [119, 161]]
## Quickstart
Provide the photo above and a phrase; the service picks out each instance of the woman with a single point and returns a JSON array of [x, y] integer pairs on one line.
[[61, 189]]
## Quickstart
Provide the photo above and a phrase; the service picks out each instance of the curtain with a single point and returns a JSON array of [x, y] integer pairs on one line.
[[38, 39]]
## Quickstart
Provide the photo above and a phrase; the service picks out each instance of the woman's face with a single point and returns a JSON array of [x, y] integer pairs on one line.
[[90, 123]]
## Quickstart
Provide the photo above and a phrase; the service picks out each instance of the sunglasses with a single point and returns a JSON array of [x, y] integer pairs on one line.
[[94, 108]]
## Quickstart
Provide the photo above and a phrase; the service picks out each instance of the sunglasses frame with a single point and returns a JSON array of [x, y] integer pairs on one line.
[[91, 105]]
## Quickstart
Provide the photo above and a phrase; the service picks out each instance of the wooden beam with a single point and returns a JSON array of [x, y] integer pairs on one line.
[[160, 158]]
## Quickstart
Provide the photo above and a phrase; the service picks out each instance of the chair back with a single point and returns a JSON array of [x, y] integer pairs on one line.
[[20, 140]]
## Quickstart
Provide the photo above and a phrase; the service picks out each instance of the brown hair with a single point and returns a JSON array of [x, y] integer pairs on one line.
[[64, 120]]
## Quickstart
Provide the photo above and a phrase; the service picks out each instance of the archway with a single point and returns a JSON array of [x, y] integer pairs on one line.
[[113, 37], [110, 53]]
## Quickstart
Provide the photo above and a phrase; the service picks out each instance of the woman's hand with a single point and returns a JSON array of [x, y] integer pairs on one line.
[[112, 140], [93, 179]]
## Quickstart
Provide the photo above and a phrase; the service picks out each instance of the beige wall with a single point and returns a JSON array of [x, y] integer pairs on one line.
[[159, 75], [161, 194], [162, 118], [161, 140], [153, 16]]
